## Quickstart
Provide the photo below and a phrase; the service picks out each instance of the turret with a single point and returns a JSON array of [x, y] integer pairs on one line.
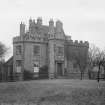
[[51, 23], [34, 21], [39, 21], [51, 48], [59, 33], [22, 29], [86, 44], [30, 22], [59, 26], [51, 28], [32, 25]]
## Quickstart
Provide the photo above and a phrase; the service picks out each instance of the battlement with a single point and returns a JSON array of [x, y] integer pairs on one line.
[[78, 43], [30, 38]]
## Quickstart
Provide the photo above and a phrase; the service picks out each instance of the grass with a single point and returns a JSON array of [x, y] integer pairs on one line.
[[54, 92]]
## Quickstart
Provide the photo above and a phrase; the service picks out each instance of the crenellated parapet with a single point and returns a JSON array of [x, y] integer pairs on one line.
[[29, 38], [78, 43], [83, 43]]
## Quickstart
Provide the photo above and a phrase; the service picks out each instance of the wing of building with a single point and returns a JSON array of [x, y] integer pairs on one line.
[[43, 45]]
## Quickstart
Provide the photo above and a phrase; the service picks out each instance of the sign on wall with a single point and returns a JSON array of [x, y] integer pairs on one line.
[[36, 67]]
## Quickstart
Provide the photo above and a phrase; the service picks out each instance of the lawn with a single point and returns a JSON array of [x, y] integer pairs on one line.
[[54, 92]]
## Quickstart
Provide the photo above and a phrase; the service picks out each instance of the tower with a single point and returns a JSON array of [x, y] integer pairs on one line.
[[51, 47], [59, 49], [59, 30], [39, 21]]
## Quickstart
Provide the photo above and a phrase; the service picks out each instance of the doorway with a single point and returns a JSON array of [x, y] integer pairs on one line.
[[59, 69]]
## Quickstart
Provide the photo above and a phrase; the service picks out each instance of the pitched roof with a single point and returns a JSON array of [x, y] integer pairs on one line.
[[10, 61]]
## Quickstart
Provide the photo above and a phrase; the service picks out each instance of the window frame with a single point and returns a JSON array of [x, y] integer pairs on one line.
[[18, 50], [60, 51], [36, 50], [18, 66]]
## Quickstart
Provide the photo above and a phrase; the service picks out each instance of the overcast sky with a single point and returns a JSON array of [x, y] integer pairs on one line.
[[82, 19]]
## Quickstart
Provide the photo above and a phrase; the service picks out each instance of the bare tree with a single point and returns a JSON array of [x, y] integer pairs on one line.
[[95, 57], [79, 55], [3, 51], [81, 60], [93, 54], [100, 60]]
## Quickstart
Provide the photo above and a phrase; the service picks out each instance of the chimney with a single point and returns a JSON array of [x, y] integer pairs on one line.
[[22, 29]]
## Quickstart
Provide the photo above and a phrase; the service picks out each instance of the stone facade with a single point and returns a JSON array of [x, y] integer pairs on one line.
[[44, 45]]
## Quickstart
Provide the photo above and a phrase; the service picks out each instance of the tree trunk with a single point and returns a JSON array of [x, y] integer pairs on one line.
[[89, 74], [98, 75], [81, 75]]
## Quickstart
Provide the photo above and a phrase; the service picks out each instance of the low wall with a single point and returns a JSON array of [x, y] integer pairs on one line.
[[77, 76]]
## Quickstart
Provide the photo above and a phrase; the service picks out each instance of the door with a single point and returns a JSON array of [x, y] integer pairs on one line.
[[59, 69]]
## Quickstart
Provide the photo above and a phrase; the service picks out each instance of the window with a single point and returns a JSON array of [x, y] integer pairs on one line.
[[60, 51], [18, 63], [18, 66], [18, 50], [36, 50]]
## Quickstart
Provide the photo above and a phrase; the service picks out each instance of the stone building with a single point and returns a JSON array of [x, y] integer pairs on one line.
[[44, 45]]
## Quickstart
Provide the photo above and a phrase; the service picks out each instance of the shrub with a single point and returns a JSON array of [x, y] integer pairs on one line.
[[28, 75], [43, 72]]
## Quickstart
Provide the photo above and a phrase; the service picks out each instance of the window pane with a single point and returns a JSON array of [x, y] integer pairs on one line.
[[36, 50], [18, 63], [60, 51], [18, 66], [18, 50]]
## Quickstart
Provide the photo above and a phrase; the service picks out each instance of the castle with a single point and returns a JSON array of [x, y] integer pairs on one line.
[[44, 45]]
